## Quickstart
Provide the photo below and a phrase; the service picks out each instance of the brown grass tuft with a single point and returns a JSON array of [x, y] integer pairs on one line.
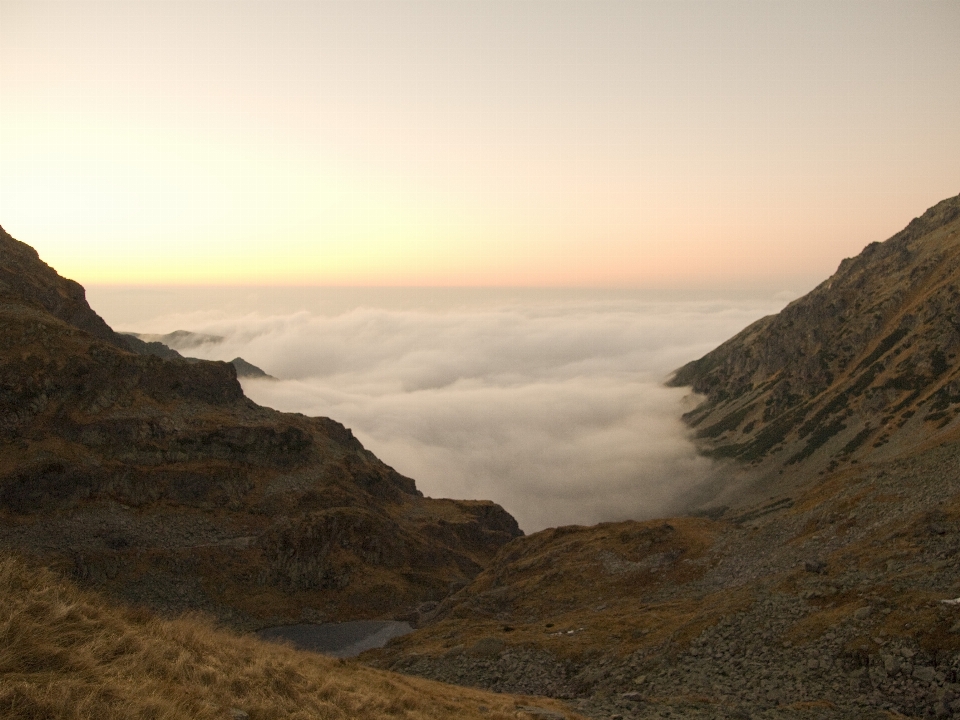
[[68, 654]]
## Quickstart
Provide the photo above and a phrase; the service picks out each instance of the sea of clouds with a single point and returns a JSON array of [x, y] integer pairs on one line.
[[553, 406]]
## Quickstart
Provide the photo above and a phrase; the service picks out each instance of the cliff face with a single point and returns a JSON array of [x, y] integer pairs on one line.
[[867, 359], [158, 481]]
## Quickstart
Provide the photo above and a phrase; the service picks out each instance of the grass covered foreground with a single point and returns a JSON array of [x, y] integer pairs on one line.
[[67, 653]]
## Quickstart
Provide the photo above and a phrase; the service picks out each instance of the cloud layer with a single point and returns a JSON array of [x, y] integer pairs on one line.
[[555, 410]]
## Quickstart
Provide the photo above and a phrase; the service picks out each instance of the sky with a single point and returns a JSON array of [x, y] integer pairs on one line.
[[478, 143]]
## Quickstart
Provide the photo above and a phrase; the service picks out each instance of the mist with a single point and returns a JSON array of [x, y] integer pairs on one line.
[[553, 407]]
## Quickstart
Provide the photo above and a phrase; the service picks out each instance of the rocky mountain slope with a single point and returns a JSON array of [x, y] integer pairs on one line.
[[159, 482], [830, 590], [868, 358], [837, 599], [837, 603], [163, 346]]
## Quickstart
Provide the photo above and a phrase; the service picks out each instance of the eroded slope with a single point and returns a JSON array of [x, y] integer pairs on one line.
[[159, 481]]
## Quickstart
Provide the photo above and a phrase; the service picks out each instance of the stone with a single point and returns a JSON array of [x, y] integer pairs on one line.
[[924, 673], [487, 647]]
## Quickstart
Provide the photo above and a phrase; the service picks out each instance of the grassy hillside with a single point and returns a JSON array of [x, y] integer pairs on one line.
[[66, 653]]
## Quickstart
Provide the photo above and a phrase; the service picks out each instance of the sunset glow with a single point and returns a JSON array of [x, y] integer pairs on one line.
[[475, 143]]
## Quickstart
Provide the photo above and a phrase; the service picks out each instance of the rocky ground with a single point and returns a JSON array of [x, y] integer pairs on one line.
[[827, 605]]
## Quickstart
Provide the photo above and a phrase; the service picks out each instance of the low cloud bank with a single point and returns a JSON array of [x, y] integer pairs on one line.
[[557, 411]]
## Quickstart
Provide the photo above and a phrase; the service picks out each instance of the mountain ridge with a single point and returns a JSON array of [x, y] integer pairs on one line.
[[869, 354], [829, 589], [821, 579], [159, 482], [147, 344]]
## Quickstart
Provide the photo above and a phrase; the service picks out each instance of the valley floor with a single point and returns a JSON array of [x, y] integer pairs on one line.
[[831, 604]]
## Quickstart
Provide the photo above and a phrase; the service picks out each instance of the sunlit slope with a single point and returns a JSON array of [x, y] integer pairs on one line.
[[69, 654], [865, 364], [158, 481]]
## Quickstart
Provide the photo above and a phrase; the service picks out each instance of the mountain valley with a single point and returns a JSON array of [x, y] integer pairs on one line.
[[820, 580], [818, 577]]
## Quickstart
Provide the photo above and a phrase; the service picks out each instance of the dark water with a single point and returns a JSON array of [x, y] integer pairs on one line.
[[345, 639]]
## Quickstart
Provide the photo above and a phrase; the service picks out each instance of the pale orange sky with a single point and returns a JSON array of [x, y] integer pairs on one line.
[[638, 144]]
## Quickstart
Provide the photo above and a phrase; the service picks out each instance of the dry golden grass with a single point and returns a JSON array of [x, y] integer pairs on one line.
[[66, 653]]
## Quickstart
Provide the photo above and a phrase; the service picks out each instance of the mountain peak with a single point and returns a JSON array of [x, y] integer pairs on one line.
[[867, 359], [25, 278]]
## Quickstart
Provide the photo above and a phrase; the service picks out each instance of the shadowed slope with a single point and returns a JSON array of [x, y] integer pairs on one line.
[[837, 603], [26, 280], [159, 481]]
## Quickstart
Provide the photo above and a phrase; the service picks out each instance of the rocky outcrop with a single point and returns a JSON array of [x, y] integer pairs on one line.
[[158, 345], [25, 280], [249, 370], [159, 481], [869, 357]]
